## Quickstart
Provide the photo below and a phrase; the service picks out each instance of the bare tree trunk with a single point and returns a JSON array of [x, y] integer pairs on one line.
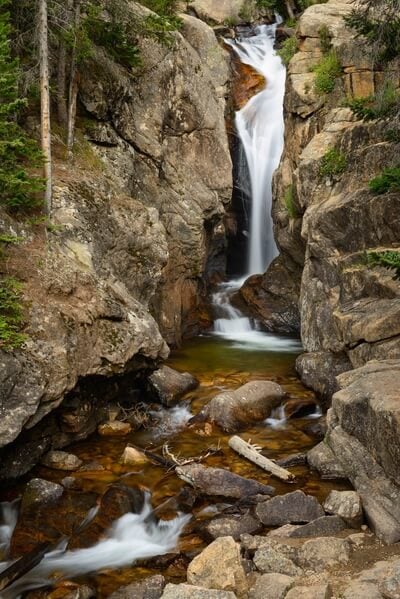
[[73, 85], [45, 100], [62, 110], [290, 9]]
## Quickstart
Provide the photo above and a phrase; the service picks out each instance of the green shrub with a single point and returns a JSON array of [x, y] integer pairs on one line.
[[288, 49], [326, 73], [389, 180], [325, 39], [333, 163], [161, 28], [161, 7], [392, 135], [388, 259], [383, 104], [11, 318], [289, 203]]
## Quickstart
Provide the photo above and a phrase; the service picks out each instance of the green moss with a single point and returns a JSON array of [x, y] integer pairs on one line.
[[388, 259], [11, 319], [389, 180], [333, 163], [288, 49], [289, 203], [326, 73]]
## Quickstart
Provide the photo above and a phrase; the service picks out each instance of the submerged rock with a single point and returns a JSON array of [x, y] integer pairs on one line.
[[219, 482], [168, 385], [219, 566], [61, 460], [114, 428], [252, 402], [296, 507], [40, 491]]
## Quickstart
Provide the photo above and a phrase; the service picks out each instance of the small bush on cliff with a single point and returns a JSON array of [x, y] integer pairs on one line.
[[289, 203], [388, 259], [11, 318], [383, 104], [326, 73], [333, 163], [389, 180], [288, 50]]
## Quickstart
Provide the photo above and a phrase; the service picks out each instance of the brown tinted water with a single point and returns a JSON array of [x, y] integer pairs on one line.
[[218, 365]]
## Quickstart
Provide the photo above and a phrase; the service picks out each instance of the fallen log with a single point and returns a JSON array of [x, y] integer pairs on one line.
[[252, 454], [24, 564]]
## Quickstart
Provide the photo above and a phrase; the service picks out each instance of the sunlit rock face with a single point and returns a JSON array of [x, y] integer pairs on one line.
[[137, 225]]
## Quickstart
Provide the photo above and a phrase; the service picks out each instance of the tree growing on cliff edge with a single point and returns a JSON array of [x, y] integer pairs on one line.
[[18, 153], [379, 22]]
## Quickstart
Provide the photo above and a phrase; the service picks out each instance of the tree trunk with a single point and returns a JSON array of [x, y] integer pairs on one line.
[[290, 9], [62, 110], [45, 100], [73, 84]]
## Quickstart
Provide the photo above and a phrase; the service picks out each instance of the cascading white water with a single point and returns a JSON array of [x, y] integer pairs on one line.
[[260, 127], [132, 537]]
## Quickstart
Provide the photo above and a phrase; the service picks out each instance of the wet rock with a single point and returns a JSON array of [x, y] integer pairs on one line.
[[366, 590], [321, 527], [347, 505], [298, 408], [114, 428], [92, 467], [380, 497], [39, 491], [270, 559], [168, 385], [132, 456], [252, 402], [65, 590], [296, 507], [318, 371], [188, 591], [231, 526], [150, 588], [297, 459], [317, 554], [319, 591], [219, 482], [273, 586], [61, 460], [322, 459], [116, 501], [219, 566]]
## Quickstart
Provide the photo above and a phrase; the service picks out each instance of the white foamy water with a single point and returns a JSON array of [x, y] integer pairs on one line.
[[172, 420], [131, 538], [8, 519], [277, 418], [260, 126]]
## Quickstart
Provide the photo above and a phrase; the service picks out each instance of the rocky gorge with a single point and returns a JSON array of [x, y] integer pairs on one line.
[[141, 225]]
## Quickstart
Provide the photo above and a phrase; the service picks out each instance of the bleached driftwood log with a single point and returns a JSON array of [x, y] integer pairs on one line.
[[252, 454]]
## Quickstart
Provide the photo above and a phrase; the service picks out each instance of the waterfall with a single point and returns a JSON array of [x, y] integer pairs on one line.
[[260, 127]]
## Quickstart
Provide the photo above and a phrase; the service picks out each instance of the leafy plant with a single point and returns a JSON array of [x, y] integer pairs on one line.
[[389, 180], [388, 259], [326, 73], [288, 49], [325, 38], [11, 315], [161, 28], [392, 135], [377, 106], [333, 163]]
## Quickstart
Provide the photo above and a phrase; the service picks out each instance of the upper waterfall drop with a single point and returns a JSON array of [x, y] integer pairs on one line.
[[260, 127]]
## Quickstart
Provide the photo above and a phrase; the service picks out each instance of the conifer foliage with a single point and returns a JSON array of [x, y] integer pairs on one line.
[[18, 188]]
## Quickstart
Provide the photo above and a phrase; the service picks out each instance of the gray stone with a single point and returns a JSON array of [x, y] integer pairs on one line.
[[296, 507], [321, 527], [364, 590], [380, 497], [61, 460], [249, 403], [233, 526], [319, 591], [390, 588], [219, 566], [317, 554], [322, 459], [318, 371], [270, 560], [150, 588], [39, 491], [168, 385], [273, 586], [347, 505], [188, 591]]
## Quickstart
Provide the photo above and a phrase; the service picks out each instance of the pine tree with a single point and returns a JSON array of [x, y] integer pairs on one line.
[[18, 153]]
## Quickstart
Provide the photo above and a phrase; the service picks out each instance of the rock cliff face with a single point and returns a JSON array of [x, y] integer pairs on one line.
[[349, 313], [136, 225]]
